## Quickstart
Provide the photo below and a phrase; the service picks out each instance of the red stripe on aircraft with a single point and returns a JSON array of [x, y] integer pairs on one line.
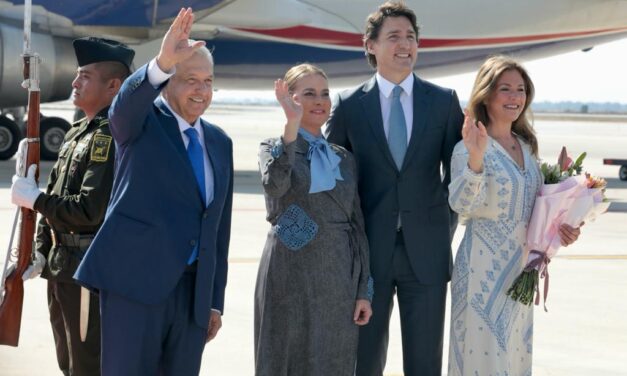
[[340, 38]]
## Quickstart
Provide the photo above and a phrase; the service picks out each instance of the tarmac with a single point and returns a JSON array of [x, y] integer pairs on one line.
[[584, 332]]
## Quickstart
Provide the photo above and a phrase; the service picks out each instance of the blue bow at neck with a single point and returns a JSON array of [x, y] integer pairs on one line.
[[324, 164]]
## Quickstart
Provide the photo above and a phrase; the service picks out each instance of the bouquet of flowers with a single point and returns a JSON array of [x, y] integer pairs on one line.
[[568, 197]]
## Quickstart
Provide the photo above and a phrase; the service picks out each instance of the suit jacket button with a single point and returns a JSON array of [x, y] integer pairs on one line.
[[192, 243], [205, 215]]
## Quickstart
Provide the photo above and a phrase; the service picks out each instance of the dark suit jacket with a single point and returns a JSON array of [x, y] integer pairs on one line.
[[418, 190], [156, 215]]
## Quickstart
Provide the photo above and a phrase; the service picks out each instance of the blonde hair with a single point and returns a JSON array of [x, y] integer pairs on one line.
[[485, 84], [297, 72]]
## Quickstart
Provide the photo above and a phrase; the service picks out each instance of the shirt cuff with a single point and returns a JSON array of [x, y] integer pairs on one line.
[[475, 176], [156, 76], [216, 310]]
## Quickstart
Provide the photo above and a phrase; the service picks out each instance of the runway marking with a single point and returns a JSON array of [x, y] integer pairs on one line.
[[254, 260], [593, 257]]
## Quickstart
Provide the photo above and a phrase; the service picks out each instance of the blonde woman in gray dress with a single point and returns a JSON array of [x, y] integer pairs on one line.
[[494, 182], [312, 289]]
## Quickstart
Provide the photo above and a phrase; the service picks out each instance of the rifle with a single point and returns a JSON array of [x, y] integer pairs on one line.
[[11, 306]]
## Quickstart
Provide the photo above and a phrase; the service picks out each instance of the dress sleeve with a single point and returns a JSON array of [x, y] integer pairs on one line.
[[467, 190], [275, 164], [365, 285], [362, 249]]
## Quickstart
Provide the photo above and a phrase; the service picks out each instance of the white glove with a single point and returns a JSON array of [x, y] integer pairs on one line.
[[20, 158], [24, 191], [33, 270]]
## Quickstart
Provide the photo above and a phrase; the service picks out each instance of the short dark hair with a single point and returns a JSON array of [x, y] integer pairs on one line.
[[112, 69], [375, 21]]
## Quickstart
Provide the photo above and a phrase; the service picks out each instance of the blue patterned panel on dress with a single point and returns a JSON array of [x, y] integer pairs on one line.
[[295, 228], [370, 291], [277, 149]]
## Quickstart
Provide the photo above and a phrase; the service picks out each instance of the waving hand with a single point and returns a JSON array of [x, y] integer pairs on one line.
[[174, 47]]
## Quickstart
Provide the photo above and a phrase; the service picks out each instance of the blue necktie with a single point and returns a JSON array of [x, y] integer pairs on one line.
[[397, 133], [195, 154]]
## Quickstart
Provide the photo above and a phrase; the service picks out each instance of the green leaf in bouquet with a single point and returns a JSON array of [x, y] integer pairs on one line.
[[551, 173], [578, 165]]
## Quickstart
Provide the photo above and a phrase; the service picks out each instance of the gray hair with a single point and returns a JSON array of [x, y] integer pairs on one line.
[[203, 51]]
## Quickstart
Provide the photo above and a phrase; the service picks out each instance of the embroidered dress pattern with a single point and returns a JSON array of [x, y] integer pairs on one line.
[[491, 334]]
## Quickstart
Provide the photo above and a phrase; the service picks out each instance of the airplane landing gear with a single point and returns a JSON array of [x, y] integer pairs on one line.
[[51, 133], [10, 136]]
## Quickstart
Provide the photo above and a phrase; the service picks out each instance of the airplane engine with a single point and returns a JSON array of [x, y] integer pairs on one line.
[[56, 72], [57, 68]]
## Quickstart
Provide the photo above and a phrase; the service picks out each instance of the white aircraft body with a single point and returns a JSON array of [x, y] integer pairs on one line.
[[255, 41]]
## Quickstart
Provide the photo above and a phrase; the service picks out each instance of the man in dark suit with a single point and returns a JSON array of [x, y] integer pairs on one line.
[[159, 260], [402, 131]]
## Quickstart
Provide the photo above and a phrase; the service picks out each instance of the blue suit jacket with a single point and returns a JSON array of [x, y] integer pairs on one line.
[[418, 190], [156, 215]]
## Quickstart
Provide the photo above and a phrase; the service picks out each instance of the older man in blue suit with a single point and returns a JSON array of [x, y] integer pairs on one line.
[[159, 260]]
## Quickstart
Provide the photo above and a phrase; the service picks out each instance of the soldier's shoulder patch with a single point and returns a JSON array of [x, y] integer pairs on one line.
[[100, 147]]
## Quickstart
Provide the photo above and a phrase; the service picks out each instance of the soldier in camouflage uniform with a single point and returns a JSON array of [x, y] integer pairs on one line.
[[75, 203]]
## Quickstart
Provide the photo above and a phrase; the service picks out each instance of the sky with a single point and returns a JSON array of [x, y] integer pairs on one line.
[[599, 75]]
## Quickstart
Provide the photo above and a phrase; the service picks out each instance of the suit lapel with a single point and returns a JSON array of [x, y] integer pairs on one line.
[[216, 160], [421, 102], [171, 128], [371, 104]]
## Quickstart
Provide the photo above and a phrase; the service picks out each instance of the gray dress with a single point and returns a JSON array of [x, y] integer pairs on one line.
[[313, 268]]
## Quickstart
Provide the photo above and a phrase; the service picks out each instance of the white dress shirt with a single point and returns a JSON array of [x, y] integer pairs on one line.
[[156, 77], [385, 98]]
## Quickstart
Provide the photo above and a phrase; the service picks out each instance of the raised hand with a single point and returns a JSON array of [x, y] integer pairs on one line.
[[476, 141], [292, 109], [174, 47]]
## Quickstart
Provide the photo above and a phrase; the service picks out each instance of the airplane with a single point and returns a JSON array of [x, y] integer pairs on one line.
[[255, 41]]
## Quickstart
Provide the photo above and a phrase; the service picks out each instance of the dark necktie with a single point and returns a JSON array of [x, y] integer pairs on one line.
[[195, 154]]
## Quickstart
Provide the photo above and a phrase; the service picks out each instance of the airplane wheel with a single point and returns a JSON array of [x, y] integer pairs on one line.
[[622, 173], [10, 137], [52, 132]]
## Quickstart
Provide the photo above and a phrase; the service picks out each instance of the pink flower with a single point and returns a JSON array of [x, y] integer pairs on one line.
[[564, 161]]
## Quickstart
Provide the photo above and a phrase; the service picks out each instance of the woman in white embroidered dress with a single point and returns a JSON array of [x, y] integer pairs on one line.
[[495, 179]]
